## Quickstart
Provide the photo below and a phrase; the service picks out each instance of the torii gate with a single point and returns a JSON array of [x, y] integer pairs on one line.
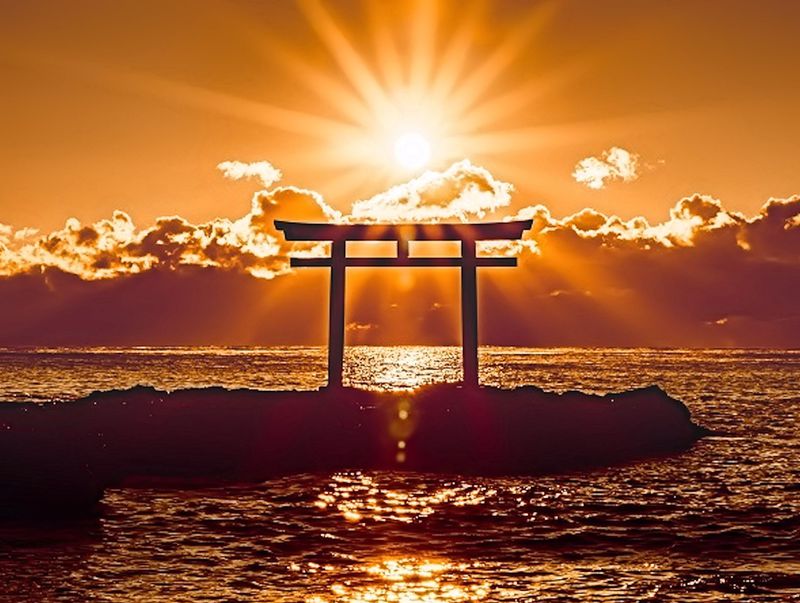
[[466, 233]]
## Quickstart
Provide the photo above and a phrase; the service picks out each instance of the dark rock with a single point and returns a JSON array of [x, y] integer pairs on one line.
[[62, 455]]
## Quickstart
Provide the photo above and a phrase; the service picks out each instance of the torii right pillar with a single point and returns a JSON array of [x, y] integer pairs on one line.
[[469, 312]]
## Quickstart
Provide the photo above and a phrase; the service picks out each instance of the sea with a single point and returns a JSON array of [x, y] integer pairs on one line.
[[720, 522]]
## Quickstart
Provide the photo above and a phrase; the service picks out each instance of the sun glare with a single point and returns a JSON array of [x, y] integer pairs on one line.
[[398, 99], [406, 98], [412, 151]]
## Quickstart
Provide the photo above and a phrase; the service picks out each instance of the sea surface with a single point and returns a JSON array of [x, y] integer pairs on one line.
[[720, 522]]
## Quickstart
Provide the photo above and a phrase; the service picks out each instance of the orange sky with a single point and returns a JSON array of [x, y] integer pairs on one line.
[[117, 113], [705, 92]]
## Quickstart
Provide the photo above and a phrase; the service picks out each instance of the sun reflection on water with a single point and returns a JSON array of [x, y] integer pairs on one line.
[[407, 580], [401, 367], [357, 496]]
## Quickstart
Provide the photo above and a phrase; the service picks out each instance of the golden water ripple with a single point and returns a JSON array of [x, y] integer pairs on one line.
[[407, 580], [358, 496]]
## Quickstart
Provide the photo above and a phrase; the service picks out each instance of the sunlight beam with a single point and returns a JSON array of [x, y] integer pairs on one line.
[[476, 84], [423, 47], [454, 57], [390, 65], [353, 66], [322, 85]]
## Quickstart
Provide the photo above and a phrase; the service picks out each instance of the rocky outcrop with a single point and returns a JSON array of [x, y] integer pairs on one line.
[[61, 456]]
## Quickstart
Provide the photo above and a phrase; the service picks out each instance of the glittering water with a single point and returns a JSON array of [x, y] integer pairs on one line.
[[718, 523]]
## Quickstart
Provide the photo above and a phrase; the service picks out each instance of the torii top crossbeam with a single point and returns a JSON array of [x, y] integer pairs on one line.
[[466, 233], [462, 231]]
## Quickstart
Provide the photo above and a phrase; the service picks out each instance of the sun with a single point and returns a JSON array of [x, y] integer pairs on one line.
[[411, 90], [412, 151]]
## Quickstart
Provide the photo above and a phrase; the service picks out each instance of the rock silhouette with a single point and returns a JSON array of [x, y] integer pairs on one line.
[[59, 457]]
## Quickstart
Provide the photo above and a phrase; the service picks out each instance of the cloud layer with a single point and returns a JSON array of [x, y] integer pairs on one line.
[[116, 247], [705, 275]]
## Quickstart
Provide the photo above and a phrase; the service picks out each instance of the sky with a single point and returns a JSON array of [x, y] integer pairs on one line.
[[147, 146]]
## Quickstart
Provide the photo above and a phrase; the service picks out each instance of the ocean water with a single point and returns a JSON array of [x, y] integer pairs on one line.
[[720, 522]]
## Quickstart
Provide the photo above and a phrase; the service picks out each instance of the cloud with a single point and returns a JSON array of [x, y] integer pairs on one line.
[[703, 275], [115, 247], [25, 233], [462, 192], [613, 164], [697, 221], [263, 170]]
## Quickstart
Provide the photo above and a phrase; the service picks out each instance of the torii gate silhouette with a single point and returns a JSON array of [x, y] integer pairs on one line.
[[466, 233]]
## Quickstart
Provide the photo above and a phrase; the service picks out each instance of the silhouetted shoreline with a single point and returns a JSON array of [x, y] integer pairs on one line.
[[60, 457]]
